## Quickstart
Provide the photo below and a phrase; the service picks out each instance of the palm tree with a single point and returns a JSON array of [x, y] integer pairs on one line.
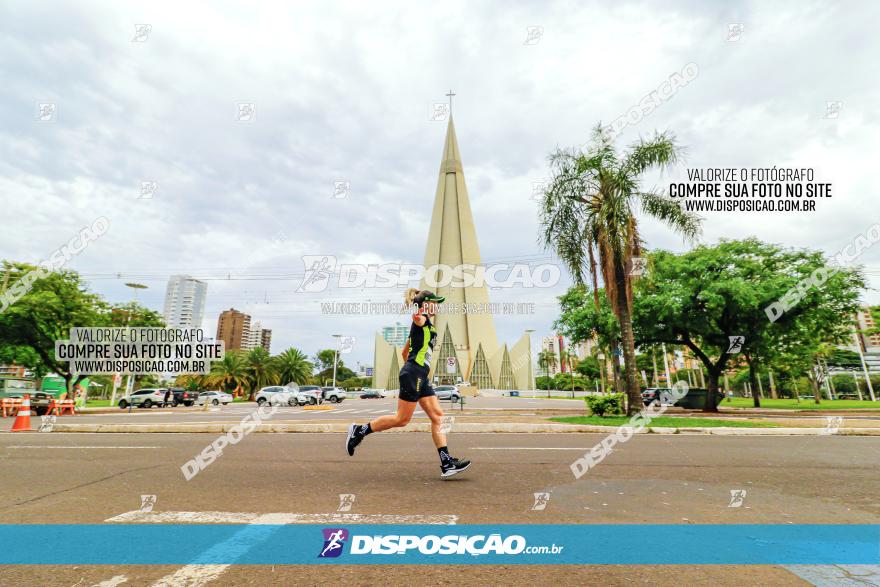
[[546, 359], [231, 371], [292, 365], [261, 370], [589, 210]]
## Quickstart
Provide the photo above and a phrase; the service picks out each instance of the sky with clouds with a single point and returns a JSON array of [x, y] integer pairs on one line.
[[344, 92]]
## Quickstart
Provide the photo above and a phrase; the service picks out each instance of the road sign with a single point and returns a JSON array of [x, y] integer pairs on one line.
[[450, 365]]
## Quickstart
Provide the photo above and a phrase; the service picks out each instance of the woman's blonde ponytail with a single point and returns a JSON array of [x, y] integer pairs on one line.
[[410, 296]]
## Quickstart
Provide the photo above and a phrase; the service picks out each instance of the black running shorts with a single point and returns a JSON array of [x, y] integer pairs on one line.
[[414, 384]]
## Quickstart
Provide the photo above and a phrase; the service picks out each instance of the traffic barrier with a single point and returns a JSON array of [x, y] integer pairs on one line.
[[9, 406], [23, 419], [67, 405], [58, 407]]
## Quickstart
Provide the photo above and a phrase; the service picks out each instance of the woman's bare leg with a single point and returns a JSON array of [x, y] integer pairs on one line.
[[404, 414], [431, 406]]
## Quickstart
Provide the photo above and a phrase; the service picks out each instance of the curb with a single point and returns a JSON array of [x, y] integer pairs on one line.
[[464, 427]]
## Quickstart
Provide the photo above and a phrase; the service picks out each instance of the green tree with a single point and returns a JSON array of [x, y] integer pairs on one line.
[[47, 310], [231, 373], [588, 367], [324, 359], [590, 207], [703, 298], [292, 366], [546, 360], [261, 370]]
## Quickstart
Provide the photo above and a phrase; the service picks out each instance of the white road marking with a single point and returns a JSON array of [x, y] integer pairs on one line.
[[530, 448], [255, 530], [74, 446], [142, 517], [344, 411], [112, 581]]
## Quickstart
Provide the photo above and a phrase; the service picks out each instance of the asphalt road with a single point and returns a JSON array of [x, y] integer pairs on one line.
[[91, 478], [350, 409]]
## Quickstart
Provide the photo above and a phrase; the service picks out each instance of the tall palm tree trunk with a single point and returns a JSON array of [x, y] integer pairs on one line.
[[627, 340]]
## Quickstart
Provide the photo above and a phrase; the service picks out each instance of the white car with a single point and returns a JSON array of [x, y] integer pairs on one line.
[[144, 398], [215, 398], [277, 395], [333, 394]]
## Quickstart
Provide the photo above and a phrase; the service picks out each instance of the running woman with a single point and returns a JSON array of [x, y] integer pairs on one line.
[[414, 384]]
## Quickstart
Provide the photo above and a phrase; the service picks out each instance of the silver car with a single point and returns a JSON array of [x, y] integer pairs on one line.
[[449, 392]]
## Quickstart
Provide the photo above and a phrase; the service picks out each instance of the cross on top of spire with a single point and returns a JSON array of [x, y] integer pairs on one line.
[[450, 95]]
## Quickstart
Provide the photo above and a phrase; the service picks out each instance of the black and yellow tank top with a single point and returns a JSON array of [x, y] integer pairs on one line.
[[421, 343]]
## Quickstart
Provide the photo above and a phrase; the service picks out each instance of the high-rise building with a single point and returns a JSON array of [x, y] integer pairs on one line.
[[184, 302], [395, 335], [253, 339], [467, 347], [266, 339], [238, 331], [233, 328], [865, 320], [555, 345]]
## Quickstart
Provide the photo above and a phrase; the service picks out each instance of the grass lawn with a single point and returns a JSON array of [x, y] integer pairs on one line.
[[664, 422], [805, 404], [98, 403]]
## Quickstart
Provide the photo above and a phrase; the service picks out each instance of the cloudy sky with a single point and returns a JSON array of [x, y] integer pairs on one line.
[[344, 92]]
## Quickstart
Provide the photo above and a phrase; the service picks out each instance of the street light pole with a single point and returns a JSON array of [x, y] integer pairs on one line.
[[666, 365], [531, 382], [864, 367], [129, 384], [335, 358]]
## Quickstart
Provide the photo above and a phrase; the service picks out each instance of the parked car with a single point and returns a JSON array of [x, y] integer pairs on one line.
[[333, 394], [314, 393], [372, 394], [183, 396], [215, 398], [277, 395], [144, 398], [449, 392], [16, 387], [656, 393]]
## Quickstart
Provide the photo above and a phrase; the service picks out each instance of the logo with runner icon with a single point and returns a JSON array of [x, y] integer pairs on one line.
[[334, 541]]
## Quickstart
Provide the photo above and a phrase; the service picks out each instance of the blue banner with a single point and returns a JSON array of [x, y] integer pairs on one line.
[[165, 544]]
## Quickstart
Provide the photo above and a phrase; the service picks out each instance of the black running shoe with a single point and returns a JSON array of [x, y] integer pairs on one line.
[[453, 467], [354, 439]]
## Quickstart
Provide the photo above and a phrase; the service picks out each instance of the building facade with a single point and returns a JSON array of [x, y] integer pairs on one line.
[[184, 302], [865, 320], [266, 339], [395, 335], [467, 347], [233, 328]]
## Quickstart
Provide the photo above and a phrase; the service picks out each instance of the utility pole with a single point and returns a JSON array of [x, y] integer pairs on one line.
[[335, 357], [666, 365], [864, 367], [654, 363], [858, 388], [772, 384]]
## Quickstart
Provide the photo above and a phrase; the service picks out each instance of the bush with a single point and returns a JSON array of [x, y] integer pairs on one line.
[[600, 405]]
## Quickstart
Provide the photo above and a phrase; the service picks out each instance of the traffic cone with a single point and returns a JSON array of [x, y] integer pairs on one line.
[[23, 419]]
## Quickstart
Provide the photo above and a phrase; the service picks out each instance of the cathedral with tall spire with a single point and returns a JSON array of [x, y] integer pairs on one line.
[[467, 348]]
